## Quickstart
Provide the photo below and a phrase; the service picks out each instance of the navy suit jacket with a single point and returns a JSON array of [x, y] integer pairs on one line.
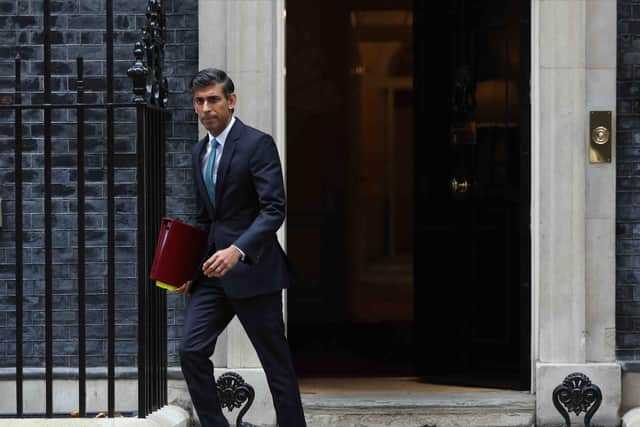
[[249, 209]]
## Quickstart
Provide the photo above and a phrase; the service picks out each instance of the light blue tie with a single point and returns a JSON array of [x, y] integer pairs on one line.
[[209, 170]]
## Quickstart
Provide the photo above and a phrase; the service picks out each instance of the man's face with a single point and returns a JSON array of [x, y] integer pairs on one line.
[[213, 109]]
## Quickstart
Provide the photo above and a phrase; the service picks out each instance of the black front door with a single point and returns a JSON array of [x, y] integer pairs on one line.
[[472, 195]]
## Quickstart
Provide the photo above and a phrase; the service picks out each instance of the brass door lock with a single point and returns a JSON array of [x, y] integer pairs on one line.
[[461, 186], [600, 137]]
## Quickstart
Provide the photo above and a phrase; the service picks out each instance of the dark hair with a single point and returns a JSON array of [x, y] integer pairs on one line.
[[212, 76]]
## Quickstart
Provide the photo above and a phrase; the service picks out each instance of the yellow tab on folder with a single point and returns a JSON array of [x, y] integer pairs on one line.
[[166, 286]]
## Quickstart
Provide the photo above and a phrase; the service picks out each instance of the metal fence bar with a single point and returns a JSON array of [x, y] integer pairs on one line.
[[152, 327], [163, 295], [48, 267], [110, 219], [18, 235], [82, 372], [147, 291], [142, 281], [158, 165], [155, 195], [47, 212], [111, 312], [153, 384], [165, 117]]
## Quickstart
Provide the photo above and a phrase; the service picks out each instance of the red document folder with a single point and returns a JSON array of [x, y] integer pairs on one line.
[[178, 253]]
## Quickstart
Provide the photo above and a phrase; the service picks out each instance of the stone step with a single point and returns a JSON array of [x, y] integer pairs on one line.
[[467, 409]]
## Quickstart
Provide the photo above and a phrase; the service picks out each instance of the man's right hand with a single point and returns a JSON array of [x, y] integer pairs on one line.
[[184, 289]]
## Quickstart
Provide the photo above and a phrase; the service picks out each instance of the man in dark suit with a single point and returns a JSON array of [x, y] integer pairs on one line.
[[241, 202]]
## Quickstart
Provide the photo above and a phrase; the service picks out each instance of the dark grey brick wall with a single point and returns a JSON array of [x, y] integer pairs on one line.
[[78, 28], [628, 182]]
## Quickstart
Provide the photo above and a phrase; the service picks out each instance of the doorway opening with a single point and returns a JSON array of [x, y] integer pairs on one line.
[[350, 186], [405, 227]]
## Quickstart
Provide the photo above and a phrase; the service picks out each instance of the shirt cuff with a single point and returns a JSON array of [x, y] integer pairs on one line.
[[241, 252]]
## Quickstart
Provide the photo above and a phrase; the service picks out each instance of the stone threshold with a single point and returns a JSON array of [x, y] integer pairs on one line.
[[449, 409]]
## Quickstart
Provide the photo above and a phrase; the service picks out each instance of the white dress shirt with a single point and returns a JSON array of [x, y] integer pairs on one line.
[[221, 140]]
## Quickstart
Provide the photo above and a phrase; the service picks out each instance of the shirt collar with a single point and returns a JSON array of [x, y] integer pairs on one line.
[[223, 135]]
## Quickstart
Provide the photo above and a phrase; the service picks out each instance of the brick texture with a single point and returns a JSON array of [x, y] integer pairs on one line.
[[628, 183], [78, 29]]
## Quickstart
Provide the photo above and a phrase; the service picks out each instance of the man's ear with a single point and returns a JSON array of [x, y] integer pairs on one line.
[[232, 101]]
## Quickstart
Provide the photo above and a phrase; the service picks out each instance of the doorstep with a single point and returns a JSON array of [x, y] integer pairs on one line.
[[420, 409]]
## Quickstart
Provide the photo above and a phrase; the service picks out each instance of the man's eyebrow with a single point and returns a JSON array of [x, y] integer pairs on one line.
[[208, 97]]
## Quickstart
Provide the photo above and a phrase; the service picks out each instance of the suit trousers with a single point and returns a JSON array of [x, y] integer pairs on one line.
[[208, 312]]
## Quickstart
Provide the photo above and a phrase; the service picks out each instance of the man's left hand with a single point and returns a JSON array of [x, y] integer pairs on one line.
[[221, 262]]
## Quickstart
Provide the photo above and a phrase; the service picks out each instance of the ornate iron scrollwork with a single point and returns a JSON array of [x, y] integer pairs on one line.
[[148, 81], [233, 392], [138, 72], [578, 394]]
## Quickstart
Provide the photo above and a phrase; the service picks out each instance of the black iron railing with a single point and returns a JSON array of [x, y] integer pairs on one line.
[[152, 301], [149, 106], [151, 97]]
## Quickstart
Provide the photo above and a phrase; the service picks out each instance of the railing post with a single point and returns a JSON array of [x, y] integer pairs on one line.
[[111, 291], [48, 263], [82, 376], [138, 73], [18, 233], [151, 96]]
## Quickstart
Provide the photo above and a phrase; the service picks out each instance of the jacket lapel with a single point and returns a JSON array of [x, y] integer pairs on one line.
[[200, 150], [225, 159]]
